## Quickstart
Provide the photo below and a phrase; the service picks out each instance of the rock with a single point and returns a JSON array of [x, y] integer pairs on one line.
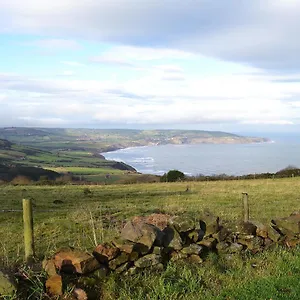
[[157, 250], [118, 261], [289, 225], [49, 267], [253, 243], [182, 224], [195, 259], [291, 242], [80, 294], [123, 267], [222, 234], [249, 228], [133, 256], [172, 238], [159, 267], [268, 243], [209, 223], [142, 233], [132, 271], [192, 249], [7, 285], [234, 248], [123, 245], [222, 247], [261, 230], [101, 272], [209, 243], [147, 261], [273, 234], [54, 285], [196, 235], [158, 220], [104, 253], [175, 256], [71, 261]]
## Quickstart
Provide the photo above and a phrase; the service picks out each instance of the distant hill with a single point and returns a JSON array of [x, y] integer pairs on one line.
[[103, 140]]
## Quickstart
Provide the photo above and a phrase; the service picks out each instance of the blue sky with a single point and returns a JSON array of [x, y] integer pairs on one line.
[[231, 65]]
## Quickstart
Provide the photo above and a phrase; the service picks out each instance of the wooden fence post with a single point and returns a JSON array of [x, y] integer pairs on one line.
[[28, 230], [246, 207]]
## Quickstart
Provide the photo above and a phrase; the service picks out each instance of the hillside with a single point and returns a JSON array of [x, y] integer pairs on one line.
[[103, 140], [21, 160]]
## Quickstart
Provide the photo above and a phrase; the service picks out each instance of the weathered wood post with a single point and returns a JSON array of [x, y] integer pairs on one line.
[[246, 207], [28, 230]]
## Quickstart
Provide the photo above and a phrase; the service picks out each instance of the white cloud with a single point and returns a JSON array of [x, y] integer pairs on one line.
[[260, 33], [236, 99], [55, 44], [68, 73]]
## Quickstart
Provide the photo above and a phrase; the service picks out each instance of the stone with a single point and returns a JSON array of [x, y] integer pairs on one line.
[[147, 261], [291, 242], [123, 245], [132, 271], [158, 220], [234, 248], [261, 230], [195, 259], [196, 235], [70, 261], [175, 256], [49, 267], [159, 267], [116, 262], [8, 286], [182, 224], [101, 272], [222, 234], [289, 225], [80, 294], [209, 223], [123, 268], [157, 250], [192, 249], [142, 233], [172, 238], [104, 253], [133, 256], [209, 243], [249, 228], [54, 285], [253, 243], [273, 234], [222, 247]]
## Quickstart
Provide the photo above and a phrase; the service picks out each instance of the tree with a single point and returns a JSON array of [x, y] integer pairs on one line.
[[172, 176]]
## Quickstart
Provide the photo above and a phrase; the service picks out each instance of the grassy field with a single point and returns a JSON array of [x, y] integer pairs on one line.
[[270, 275]]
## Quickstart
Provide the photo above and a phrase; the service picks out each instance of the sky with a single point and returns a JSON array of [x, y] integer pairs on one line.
[[230, 65]]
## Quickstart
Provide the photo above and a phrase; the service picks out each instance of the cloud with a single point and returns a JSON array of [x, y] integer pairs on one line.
[[258, 33], [67, 73], [148, 100], [55, 44]]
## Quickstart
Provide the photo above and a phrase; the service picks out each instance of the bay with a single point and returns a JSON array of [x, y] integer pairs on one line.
[[212, 159]]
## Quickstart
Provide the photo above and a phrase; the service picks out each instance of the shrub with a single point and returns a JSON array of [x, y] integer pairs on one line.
[[172, 176]]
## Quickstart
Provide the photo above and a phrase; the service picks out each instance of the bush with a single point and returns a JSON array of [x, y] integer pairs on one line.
[[172, 176]]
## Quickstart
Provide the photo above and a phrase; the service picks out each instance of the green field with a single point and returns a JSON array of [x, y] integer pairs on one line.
[[273, 274]]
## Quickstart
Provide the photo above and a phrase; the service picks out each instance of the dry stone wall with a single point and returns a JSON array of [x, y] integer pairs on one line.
[[152, 242]]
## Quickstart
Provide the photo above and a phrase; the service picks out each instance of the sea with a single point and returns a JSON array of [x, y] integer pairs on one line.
[[214, 159]]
